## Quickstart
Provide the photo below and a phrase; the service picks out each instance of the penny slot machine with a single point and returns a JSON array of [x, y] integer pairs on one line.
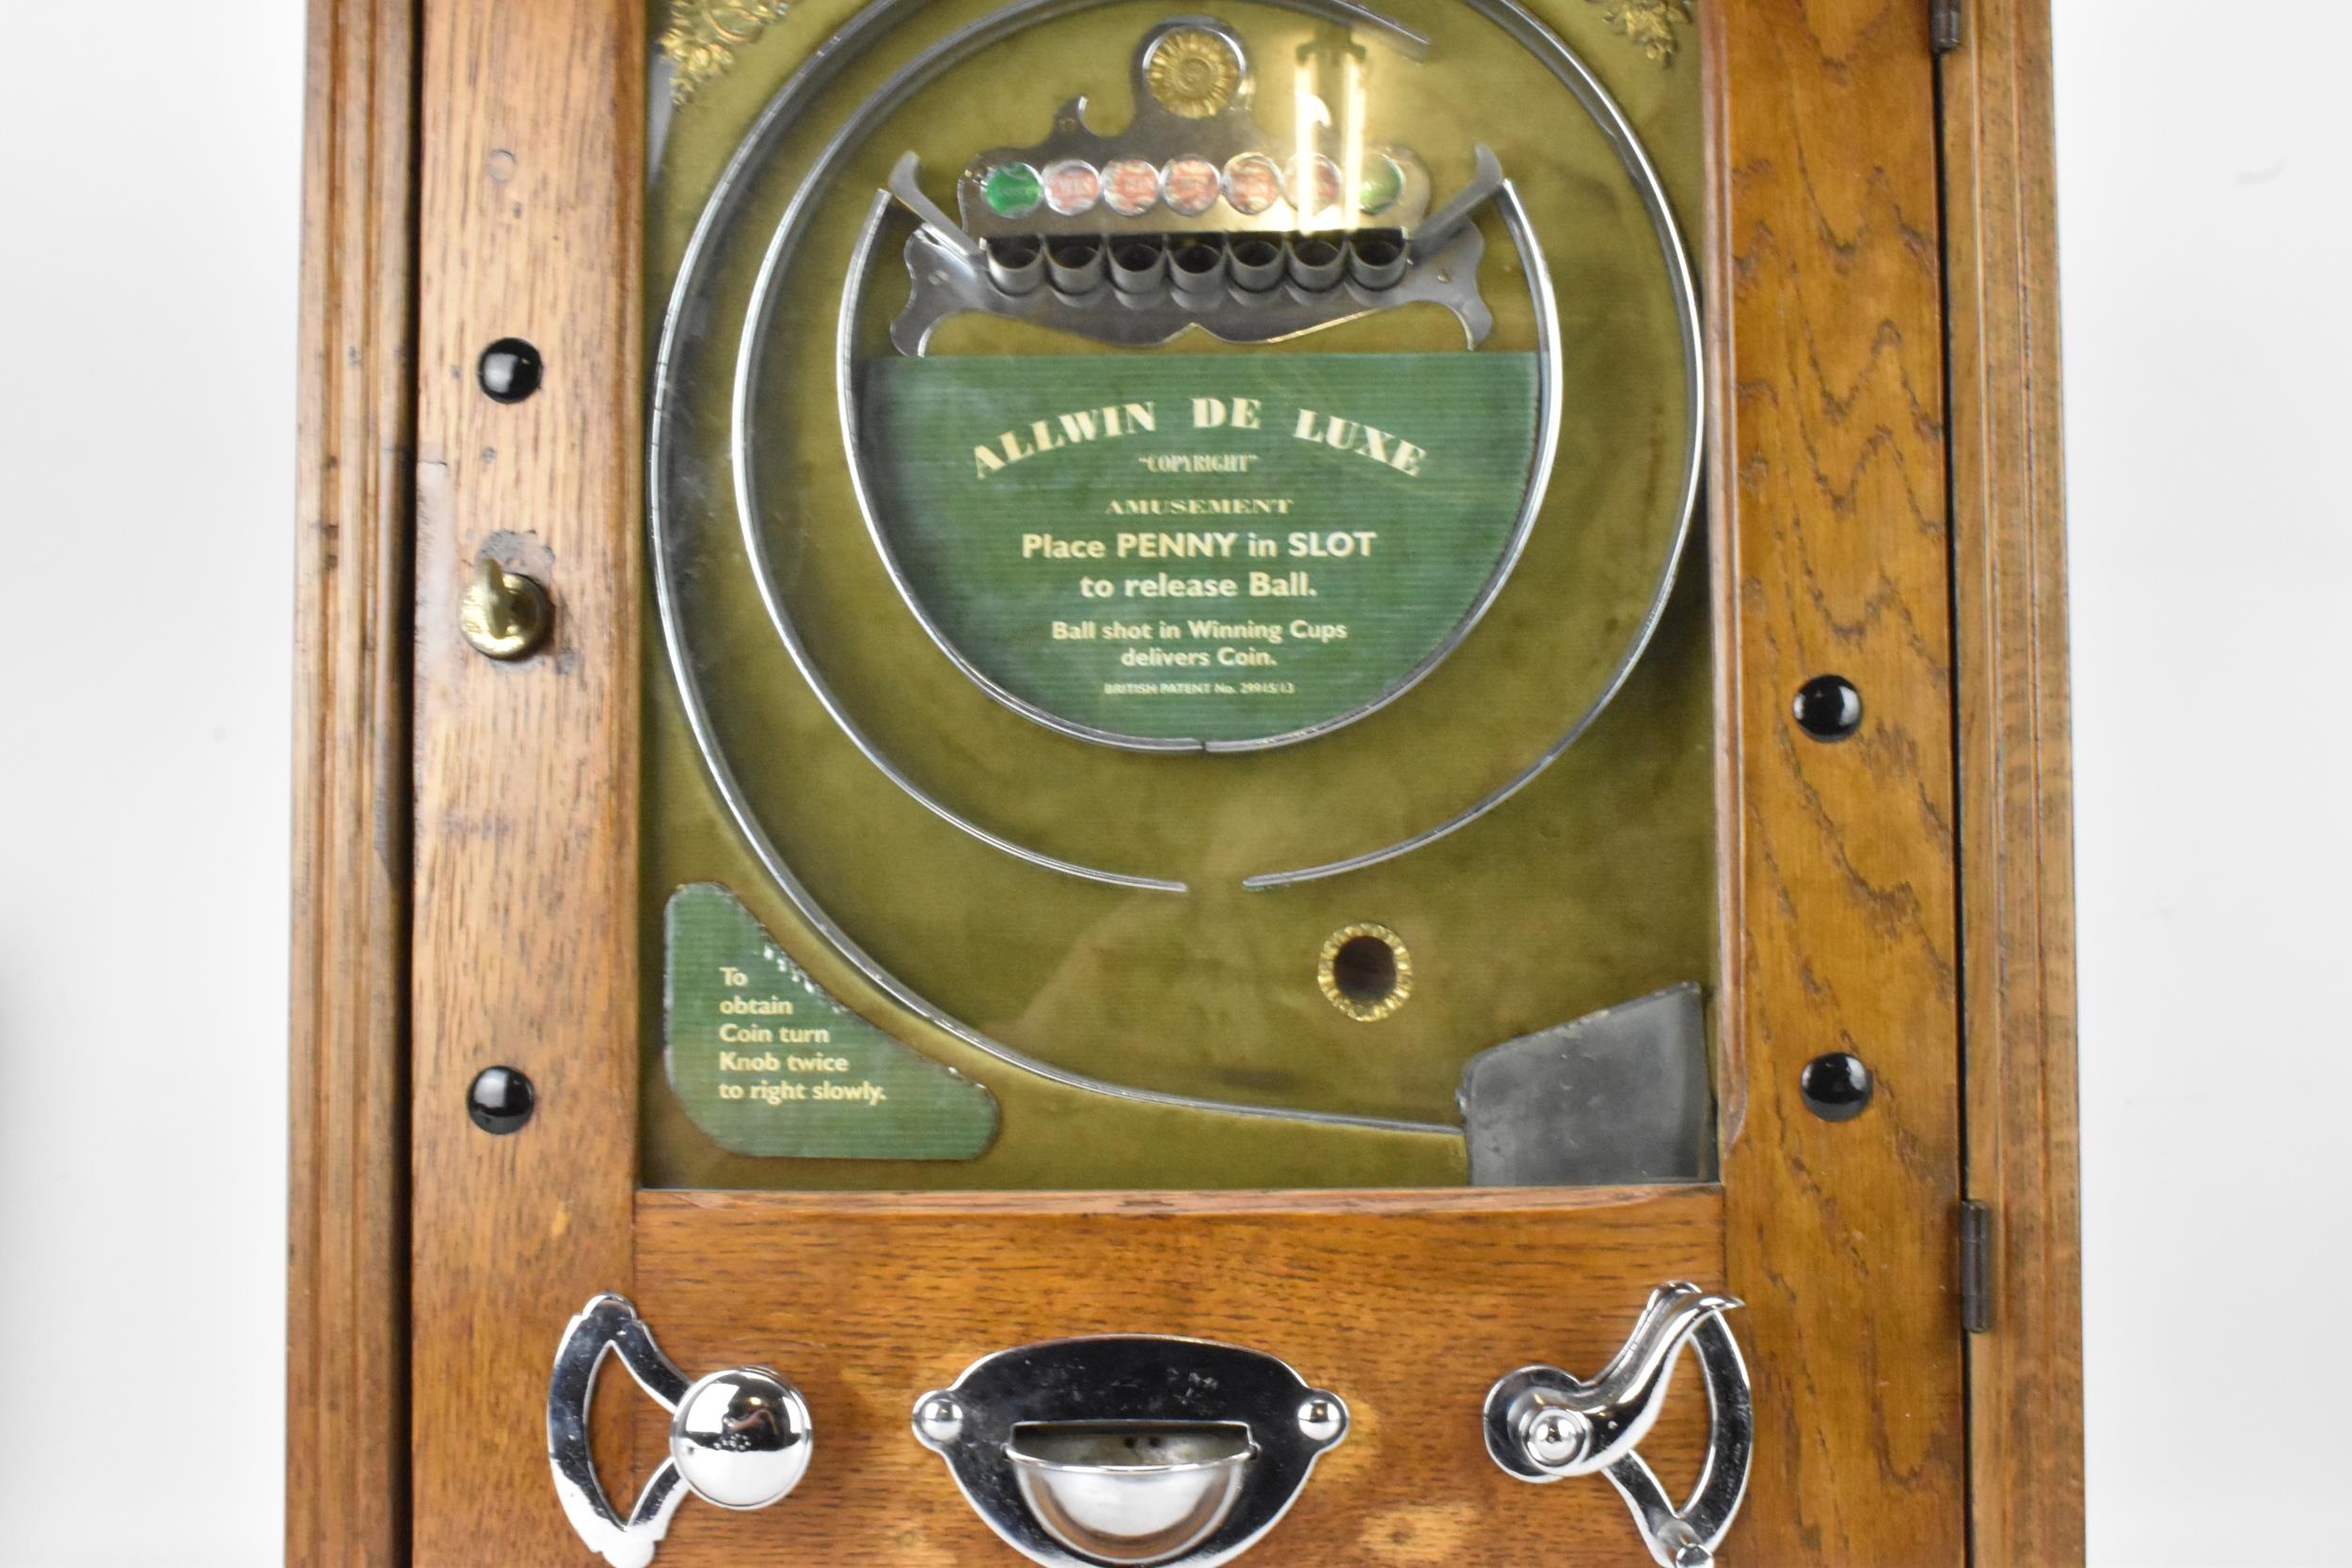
[[1180, 781]]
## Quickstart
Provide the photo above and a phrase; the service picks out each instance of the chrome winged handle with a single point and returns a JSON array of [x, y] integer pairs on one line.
[[1544, 1425], [739, 1438]]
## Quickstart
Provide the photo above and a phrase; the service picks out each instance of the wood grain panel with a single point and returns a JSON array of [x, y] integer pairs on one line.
[[2016, 822], [1408, 1305], [525, 929], [347, 1213], [1840, 900]]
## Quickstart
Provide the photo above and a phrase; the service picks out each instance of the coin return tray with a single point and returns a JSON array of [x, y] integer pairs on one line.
[[1130, 1450], [1133, 1493]]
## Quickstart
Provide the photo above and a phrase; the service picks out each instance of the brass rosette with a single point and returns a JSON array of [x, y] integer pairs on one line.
[[1193, 72]]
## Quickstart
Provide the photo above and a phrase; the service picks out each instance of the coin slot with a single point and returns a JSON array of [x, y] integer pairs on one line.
[[1131, 1444], [1366, 972]]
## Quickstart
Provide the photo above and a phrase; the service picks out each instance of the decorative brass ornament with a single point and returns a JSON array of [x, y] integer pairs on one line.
[[704, 35], [1648, 23], [1366, 972], [1193, 72]]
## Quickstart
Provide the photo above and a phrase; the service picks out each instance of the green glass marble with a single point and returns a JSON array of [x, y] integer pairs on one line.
[[1014, 190]]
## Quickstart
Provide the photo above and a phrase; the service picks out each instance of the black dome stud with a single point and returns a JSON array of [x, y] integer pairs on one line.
[[1837, 1088], [509, 371], [1828, 707], [501, 1100]]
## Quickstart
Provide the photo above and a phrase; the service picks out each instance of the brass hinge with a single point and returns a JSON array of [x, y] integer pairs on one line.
[[1975, 1266], [1943, 24]]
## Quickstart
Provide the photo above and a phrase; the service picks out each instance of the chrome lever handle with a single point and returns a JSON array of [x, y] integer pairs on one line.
[[1545, 1425], [740, 1438]]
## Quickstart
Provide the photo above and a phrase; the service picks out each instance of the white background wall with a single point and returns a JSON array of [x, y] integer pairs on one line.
[[2203, 208], [150, 219], [149, 180]]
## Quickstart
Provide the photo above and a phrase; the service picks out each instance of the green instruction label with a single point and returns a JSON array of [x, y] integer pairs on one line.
[[1210, 548], [766, 1063]]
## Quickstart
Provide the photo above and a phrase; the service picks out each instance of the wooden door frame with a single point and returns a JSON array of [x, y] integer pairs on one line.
[[2015, 750], [349, 1472], [347, 1216]]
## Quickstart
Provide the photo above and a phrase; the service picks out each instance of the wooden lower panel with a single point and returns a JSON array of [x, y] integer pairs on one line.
[[1408, 1305]]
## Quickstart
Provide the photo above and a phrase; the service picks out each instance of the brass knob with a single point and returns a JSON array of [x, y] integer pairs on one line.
[[505, 614]]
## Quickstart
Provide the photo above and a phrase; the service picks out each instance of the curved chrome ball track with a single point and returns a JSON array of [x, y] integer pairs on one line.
[[780, 115]]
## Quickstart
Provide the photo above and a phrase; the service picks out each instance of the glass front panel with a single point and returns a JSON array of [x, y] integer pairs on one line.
[[1180, 625]]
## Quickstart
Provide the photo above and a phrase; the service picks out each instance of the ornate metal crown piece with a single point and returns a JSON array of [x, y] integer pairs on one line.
[[1197, 215]]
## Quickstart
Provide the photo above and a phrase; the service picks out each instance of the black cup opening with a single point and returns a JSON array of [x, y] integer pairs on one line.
[[1198, 258], [1365, 971]]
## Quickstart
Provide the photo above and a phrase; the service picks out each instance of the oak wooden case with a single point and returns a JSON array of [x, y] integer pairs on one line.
[[1885, 502]]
